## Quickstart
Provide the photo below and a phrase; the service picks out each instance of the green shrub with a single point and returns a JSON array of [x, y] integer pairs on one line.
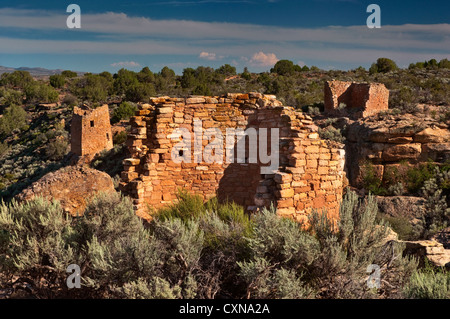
[[120, 138], [57, 148], [246, 76], [428, 284], [404, 99], [10, 97], [284, 67], [94, 88], [402, 226], [57, 81], [417, 175], [70, 100], [227, 70], [371, 181], [437, 215], [14, 117], [123, 112], [40, 93], [205, 255], [18, 79], [202, 89], [139, 92], [69, 74], [444, 64], [186, 208], [331, 133], [110, 161], [383, 65]]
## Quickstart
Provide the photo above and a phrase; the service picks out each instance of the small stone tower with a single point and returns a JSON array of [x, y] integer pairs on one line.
[[90, 131], [358, 100]]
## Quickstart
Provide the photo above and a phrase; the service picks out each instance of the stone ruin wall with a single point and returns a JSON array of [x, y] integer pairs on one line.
[[310, 172], [90, 131], [361, 99]]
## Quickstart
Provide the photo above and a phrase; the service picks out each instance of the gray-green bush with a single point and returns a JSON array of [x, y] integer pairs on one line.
[[218, 251], [326, 258], [428, 284]]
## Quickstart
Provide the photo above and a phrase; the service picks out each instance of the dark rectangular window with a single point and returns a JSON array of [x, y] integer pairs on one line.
[[92, 123]]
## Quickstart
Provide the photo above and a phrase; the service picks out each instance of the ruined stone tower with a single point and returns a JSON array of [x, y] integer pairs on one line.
[[355, 99], [90, 131]]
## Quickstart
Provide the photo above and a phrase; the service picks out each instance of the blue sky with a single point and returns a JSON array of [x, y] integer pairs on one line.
[[331, 34]]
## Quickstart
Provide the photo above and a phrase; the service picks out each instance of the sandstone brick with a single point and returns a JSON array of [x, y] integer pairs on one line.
[[312, 149], [283, 203], [286, 193], [282, 178], [195, 100]]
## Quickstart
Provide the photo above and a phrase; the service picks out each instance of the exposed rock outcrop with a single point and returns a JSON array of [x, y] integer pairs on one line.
[[72, 186], [387, 140], [431, 249]]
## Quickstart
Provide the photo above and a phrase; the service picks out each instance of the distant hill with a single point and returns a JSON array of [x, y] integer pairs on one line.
[[37, 72]]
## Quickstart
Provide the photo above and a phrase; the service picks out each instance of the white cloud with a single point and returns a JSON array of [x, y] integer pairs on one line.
[[207, 56], [210, 56], [262, 59], [126, 64], [432, 36], [117, 33]]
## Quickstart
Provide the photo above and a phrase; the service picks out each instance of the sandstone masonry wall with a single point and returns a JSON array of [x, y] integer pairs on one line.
[[360, 99], [309, 175], [90, 131]]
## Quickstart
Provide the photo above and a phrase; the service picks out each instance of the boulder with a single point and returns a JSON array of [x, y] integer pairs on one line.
[[72, 186], [431, 249], [399, 152], [432, 135], [438, 152]]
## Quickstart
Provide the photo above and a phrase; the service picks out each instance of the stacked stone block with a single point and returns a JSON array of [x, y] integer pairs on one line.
[[90, 131], [309, 174], [356, 100]]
